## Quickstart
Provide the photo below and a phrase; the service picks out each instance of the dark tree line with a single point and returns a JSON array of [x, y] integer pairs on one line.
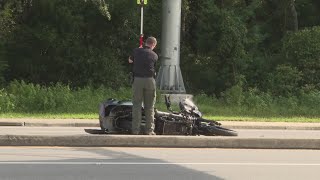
[[269, 45]]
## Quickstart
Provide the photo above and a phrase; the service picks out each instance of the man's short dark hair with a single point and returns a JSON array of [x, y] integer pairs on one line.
[[151, 40]]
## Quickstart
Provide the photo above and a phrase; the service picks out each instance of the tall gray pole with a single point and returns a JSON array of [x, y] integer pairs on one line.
[[169, 78]]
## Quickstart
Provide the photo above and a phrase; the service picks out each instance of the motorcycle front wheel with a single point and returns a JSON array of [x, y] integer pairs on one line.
[[219, 131]]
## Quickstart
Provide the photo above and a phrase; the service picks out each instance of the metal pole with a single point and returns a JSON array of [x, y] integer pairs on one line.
[[141, 25], [169, 79]]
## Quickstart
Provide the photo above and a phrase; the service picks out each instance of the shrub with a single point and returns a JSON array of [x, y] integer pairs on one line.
[[286, 105], [234, 96], [311, 99], [285, 80], [34, 98], [302, 49], [6, 101], [256, 100], [310, 103]]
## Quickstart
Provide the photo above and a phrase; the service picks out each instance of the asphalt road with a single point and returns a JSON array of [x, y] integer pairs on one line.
[[156, 163]]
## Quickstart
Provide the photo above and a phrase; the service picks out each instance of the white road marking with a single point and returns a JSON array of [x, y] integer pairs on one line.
[[152, 163]]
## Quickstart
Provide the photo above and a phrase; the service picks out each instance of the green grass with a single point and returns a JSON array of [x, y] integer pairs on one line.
[[95, 116], [264, 119]]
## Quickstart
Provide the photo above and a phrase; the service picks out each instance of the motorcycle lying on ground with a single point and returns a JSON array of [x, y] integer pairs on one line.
[[115, 117]]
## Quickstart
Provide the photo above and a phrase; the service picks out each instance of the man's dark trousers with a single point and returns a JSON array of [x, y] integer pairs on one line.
[[144, 90]]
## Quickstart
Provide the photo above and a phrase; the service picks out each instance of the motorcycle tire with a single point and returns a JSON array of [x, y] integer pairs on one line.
[[219, 131]]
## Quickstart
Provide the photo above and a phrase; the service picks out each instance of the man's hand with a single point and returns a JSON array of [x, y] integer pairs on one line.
[[130, 60]]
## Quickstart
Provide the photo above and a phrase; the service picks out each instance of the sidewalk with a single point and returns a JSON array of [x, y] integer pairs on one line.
[[77, 133]]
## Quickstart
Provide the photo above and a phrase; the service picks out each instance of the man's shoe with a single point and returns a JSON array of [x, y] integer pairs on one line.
[[135, 133], [151, 133]]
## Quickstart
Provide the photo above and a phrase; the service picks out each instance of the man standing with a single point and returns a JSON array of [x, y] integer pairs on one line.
[[144, 85]]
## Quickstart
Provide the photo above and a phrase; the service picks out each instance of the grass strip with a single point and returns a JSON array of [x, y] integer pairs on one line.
[[95, 116]]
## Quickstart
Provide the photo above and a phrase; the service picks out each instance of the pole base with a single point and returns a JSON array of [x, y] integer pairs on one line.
[[169, 80]]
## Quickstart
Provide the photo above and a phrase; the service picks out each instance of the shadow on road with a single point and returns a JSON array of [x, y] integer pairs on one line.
[[96, 168], [94, 131], [99, 131]]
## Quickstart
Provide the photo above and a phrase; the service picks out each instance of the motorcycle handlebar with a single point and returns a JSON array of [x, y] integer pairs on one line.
[[172, 115], [161, 113]]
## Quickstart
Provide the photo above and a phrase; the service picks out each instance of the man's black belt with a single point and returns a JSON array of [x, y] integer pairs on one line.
[[144, 76]]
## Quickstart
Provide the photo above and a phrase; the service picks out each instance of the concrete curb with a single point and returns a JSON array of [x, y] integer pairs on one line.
[[52, 124], [272, 127], [158, 141], [11, 123], [63, 124]]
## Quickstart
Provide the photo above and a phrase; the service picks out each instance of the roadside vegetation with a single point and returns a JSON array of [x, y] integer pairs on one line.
[[242, 59], [22, 99]]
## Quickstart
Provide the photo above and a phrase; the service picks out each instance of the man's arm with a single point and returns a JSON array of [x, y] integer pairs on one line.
[[131, 57], [130, 60]]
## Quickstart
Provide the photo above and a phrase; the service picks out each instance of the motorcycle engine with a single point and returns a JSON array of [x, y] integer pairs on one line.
[[165, 127]]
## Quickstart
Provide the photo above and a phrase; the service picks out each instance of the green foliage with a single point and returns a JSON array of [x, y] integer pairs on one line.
[[234, 96], [70, 36], [102, 6], [310, 103], [21, 97], [201, 71], [257, 101], [31, 98], [309, 12], [6, 101], [205, 99], [302, 50], [285, 80], [260, 104], [219, 58], [6, 24], [34, 98], [220, 33], [63, 50], [3, 66]]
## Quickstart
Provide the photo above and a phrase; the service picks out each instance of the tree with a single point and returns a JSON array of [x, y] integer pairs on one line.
[[308, 13], [10, 10], [218, 36], [59, 37], [302, 50]]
